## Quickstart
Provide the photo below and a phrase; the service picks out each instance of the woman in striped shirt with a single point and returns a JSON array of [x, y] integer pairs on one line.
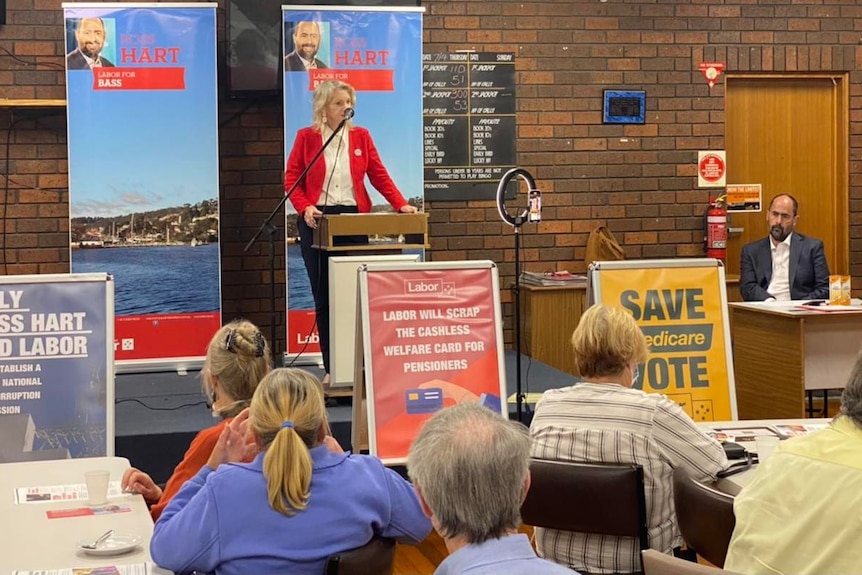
[[604, 419]]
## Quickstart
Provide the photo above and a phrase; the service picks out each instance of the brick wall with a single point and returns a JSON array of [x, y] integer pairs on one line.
[[638, 180]]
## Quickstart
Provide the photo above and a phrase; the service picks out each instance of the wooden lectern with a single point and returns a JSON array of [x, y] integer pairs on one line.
[[414, 228]]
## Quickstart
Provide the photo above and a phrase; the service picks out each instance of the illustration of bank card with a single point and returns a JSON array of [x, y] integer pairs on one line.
[[491, 401], [424, 400]]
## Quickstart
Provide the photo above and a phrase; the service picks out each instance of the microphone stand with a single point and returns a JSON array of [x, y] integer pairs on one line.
[[270, 230]]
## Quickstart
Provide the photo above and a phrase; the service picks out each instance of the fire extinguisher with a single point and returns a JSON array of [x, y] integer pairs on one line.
[[715, 234]]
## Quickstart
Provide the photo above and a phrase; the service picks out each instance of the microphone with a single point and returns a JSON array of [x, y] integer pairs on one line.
[[349, 113]]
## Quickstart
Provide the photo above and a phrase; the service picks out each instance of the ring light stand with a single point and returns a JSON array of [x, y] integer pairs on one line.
[[516, 222]]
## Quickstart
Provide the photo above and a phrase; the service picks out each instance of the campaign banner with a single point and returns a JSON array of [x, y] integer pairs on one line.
[[432, 337], [681, 307], [378, 51], [143, 170], [56, 367]]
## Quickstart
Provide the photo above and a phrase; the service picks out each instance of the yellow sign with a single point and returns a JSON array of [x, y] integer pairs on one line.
[[682, 312], [743, 197]]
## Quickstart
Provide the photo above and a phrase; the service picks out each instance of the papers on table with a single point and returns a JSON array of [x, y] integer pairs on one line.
[[553, 279], [76, 492], [85, 511], [826, 308], [797, 430], [133, 569], [737, 434], [745, 434]]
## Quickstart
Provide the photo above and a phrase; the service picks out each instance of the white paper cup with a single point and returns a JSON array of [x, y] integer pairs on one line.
[[765, 445], [97, 487]]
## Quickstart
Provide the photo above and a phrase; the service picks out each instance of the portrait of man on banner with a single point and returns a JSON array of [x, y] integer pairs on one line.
[[308, 41], [89, 43]]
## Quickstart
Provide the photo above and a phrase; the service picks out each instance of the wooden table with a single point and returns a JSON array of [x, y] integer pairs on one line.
[[32, 541], [780, 353], [551, 313]]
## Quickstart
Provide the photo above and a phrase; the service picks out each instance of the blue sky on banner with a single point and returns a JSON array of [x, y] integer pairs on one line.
[[394, 118], [140, 150]]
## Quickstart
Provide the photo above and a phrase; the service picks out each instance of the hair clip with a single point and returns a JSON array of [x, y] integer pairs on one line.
[[260, 344], [230, 340]]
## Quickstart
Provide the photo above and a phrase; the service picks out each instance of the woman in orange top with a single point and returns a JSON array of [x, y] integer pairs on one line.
[[237, 359]]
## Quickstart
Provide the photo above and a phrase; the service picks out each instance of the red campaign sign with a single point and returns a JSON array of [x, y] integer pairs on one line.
[[139, 79], [711, 168], [361, 80], [302, 337], [433, 341], [161, 336]]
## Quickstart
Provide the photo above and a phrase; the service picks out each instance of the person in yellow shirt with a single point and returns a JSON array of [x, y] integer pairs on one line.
[[802, 511]]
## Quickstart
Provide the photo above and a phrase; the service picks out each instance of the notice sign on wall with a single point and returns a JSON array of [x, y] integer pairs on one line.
[[432, 337], [681, 307], [744, 198], [711, 169]]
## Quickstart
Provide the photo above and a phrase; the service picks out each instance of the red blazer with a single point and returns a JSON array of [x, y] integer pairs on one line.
[[364, 160]]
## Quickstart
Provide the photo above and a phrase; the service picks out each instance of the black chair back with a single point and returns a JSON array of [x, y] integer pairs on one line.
[[587, 497], [705, 517], [377, 557]]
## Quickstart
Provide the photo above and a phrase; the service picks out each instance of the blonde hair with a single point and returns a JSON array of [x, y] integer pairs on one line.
[[606, 340], [323, 95], [294, 396], [238, 357]]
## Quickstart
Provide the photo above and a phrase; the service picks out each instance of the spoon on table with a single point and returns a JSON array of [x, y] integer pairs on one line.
[[95, 544]]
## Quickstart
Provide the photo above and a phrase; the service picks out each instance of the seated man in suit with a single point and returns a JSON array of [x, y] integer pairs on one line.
[[785, 265]]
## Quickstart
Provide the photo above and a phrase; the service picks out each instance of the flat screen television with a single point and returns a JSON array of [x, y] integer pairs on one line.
[[254, 50]]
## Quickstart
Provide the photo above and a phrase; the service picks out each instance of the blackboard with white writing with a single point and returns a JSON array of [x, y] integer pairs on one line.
[[469, 118]]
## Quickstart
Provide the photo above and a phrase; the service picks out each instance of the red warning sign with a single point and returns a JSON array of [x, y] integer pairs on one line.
[[711, 169]]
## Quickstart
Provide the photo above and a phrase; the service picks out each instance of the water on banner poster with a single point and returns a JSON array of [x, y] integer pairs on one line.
[[143, 169]]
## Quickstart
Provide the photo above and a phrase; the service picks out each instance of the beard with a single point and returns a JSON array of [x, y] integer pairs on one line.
[[308, 51], [778, 233], [91, 51]]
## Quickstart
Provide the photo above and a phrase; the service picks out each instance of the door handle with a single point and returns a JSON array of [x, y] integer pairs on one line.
[[735, 230]]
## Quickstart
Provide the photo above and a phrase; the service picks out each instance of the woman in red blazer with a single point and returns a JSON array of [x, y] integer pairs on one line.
[[335, 184]]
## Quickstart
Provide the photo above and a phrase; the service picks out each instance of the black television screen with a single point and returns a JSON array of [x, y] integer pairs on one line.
[[254, 58], [254, 47]]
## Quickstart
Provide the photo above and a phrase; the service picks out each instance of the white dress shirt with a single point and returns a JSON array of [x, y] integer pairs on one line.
[[338, 184], [92, 62], [779, 285]]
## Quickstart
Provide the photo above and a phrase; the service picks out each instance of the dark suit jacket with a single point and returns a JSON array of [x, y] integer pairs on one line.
[[808, 271], [293, 63], [76, 61], [364, 161]]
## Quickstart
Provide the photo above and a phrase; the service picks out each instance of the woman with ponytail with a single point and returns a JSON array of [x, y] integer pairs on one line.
[[299, 501], [237, 359]]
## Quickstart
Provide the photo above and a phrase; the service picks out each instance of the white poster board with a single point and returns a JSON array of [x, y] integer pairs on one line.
[[342, 311]]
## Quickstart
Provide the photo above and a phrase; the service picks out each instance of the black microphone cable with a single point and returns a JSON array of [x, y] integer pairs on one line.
[[317, 233]]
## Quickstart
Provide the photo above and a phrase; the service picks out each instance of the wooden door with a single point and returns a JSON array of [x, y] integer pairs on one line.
[[790, 134]]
